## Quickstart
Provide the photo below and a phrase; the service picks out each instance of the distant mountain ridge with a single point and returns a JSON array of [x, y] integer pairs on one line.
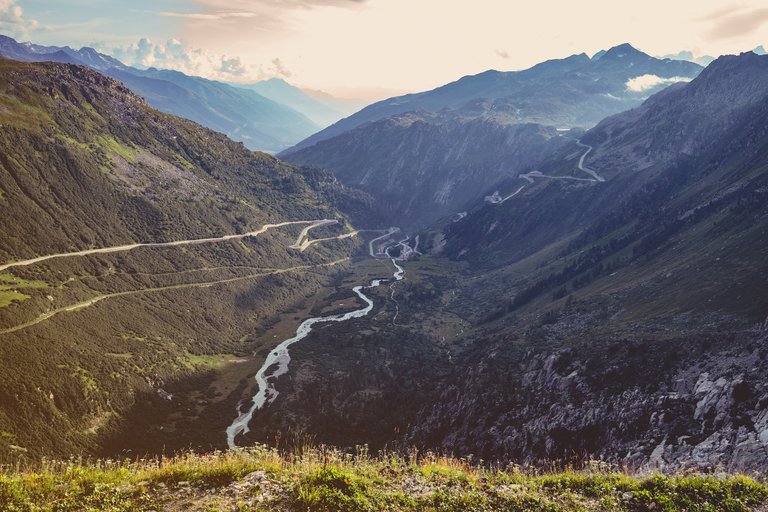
[[427, 155], [277, 89], [244, 115], [570, 92]]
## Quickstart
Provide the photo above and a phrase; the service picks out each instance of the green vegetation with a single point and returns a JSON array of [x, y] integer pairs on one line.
[[329, 480], [208, 362], [94, 166], [113, 146], [10, 286]]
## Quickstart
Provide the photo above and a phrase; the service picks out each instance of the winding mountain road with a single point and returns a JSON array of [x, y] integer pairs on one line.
[[531, 177], [302, 242], [381, 254], [204, 284], [129, 247], [587, 170], [538, 174], [119, 248]]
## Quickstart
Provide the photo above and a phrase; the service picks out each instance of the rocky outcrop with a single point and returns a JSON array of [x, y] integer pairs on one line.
[[709, 412]]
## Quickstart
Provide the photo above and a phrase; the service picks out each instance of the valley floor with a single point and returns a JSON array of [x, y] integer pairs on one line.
[[319, 479]]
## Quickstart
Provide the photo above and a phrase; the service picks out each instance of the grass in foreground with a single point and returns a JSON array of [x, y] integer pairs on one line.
[[261, 479]]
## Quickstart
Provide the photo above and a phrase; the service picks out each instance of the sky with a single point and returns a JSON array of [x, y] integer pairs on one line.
[[371, 49]]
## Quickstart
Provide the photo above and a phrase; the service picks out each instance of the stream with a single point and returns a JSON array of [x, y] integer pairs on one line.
[[276, 363]]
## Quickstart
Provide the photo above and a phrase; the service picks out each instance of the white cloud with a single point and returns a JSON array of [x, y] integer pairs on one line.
[[13, 22], [646, 82], [736, 22], [180, 56]]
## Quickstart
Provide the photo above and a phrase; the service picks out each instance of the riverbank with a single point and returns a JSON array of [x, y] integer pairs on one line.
[[320, 479]]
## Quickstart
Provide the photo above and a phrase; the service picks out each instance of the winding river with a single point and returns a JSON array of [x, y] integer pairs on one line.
[[277, 361]]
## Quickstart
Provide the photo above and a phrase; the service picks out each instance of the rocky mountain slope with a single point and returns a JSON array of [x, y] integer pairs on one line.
[[86, 164], [422, 166], [242, 114], [573, 92], [631, 323], [614, 307]]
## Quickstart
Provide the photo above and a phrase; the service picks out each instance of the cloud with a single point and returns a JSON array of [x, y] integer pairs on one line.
[[279, 68], [646, 82], [178, 55], [264, 20], [735, 22], [12, 20], [268, 12], [233, 66], [251, 6], [504, 54], [207, 16]]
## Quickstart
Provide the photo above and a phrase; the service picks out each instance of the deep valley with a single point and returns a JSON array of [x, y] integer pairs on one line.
[[526, 270]]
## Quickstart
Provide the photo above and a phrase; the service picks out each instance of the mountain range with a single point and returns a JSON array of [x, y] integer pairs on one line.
[[269, 122], [427, 155], [576, 91], [277, 89]]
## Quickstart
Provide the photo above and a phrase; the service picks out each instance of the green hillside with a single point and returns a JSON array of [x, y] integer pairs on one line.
[[85, 164]]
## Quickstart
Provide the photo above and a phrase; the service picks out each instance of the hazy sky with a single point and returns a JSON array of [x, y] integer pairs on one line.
[[375, 48]]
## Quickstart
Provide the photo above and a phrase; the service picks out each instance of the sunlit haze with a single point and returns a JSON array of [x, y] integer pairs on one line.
[[375, 48]]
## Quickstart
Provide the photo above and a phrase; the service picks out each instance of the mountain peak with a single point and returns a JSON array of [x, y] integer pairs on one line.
[[623, 51], [274, 80]]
